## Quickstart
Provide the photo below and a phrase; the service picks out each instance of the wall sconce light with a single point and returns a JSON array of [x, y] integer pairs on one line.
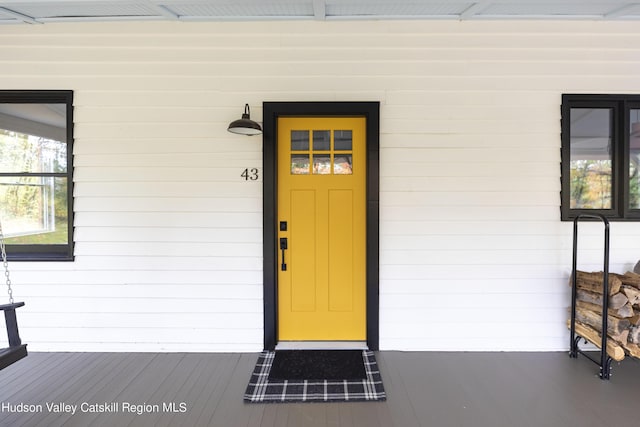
[[245, 126]]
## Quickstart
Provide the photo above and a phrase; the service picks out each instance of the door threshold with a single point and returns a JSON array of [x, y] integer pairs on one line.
[[322, 345]]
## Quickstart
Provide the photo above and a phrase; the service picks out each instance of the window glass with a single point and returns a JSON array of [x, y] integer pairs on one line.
[[321, 140], [29, 153], [634, 159], [299, 140], [300, 164], [342, 140], [591, 158], [342, 164], [321, 164], [34, 210]]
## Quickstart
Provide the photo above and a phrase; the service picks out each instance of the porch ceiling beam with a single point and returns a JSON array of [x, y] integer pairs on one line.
[[616, 13], [164, 10], [319, 10], [20, 16], [474, 9]]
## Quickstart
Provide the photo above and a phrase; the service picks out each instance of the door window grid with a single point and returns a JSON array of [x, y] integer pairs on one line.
[[321, 152]]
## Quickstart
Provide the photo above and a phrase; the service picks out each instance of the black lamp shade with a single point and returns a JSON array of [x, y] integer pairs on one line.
[[245, 126]]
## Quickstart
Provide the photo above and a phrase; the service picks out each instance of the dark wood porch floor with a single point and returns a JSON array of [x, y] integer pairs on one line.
[[423, 389]]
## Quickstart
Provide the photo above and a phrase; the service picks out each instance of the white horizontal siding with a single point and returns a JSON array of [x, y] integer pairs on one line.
[[169, 237]]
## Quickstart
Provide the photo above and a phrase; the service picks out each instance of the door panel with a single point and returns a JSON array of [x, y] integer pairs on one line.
[[302, 259], [321, 196], [341, 257]]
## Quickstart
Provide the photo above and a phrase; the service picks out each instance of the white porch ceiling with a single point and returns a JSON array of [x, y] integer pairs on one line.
[[44, 11]]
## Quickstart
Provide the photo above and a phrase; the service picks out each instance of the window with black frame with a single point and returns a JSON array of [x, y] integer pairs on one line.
[[601, 156], [36, 167]]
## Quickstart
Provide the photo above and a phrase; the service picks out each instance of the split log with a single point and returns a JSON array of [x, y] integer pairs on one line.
[[622, 338], [634, 335], [631, 279], [615, 326], [593, 282], [623, 312], [632, 294], [618, 300], [632, 349], [590, 297], [635, 320], [615, 301], [614, 350]]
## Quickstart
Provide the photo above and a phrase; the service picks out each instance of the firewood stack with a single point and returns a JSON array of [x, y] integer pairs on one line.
[[623, 322]]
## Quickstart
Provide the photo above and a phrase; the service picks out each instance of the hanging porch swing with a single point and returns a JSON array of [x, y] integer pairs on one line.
[[16, 349]]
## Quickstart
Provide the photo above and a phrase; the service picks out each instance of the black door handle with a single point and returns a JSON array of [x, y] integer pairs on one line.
[[283, 247]]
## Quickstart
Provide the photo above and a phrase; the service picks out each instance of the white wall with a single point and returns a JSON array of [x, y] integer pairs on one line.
[[168, 235]]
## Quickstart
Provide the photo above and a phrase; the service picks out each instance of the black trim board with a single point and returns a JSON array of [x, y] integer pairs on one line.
[[271, 112]]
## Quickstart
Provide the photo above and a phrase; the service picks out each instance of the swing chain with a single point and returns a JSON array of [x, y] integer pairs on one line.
[[6, 265]]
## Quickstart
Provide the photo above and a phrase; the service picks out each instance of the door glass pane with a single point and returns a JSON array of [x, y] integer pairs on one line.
[[590, 158], [321, 140], [321, 164], [342, 140], [299, 164], [342, 164], [634, 159], [299, 140]]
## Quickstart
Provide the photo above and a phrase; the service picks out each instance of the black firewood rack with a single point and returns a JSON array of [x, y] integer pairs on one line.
[[605, 360]]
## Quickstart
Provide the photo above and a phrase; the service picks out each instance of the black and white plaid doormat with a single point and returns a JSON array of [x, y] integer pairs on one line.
[[262, 389]]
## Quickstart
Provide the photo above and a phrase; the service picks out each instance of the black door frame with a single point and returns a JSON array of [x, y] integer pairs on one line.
[[271, 112]]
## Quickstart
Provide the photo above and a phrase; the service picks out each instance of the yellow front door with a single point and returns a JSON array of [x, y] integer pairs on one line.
[[322, 229]]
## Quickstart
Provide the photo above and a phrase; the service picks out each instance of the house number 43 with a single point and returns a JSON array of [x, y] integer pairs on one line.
[[250, 174]]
